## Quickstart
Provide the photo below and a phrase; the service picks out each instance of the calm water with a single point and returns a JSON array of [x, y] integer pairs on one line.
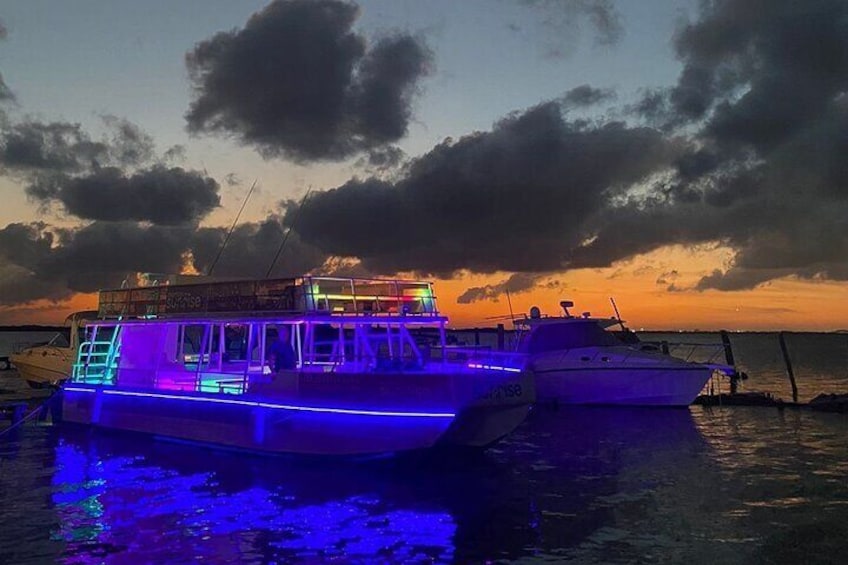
[[726, 485], [11, 341]]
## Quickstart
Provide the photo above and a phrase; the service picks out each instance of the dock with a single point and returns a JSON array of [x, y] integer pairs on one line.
[[17, 399]]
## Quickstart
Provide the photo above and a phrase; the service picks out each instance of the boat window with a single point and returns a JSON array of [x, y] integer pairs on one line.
[[192, 339], [59, 340], [235, 342], [550, 337]]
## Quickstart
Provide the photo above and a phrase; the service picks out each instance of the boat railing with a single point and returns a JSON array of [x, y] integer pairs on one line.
[[693, 352], [624, 353], [96, 363], [483, 357], [308, 295]]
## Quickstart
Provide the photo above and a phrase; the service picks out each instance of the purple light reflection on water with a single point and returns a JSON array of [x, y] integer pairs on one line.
[[724, 485], [110, 506]]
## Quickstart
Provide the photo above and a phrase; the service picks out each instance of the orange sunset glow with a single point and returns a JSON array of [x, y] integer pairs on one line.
[[644, 304]]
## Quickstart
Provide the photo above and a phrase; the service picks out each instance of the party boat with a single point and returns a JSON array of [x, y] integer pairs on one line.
[[370, 372]]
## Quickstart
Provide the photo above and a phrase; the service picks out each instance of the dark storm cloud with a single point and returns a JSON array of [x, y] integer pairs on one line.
[[517, 198], [763, 176], [297, 82], [159, 195], [103, 179], [382, 160], [49, 147], [517, 283], [762, 93], [252, 249], [37, 261], [6, 95]]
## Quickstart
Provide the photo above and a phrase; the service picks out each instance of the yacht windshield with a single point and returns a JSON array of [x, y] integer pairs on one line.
[[550, 337]]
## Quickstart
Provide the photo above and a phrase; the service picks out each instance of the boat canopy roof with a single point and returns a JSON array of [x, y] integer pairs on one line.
[[331, 297], [567, 333]]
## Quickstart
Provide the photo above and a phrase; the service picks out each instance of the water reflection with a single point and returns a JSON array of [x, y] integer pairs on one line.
[[163, 501], [586, 485], [555, 485]]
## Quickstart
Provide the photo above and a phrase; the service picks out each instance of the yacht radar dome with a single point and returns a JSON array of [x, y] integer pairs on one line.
[[535, 313]]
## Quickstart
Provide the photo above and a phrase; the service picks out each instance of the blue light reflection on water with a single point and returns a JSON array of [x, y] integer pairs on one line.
[[729, 485], [238, 508]]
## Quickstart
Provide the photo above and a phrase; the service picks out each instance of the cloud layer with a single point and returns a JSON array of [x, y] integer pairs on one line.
[[115, 178], [518, 198], [298, 82], [745, 150], [39, 261]]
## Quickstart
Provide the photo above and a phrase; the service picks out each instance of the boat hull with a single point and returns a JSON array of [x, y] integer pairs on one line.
[[43, 366], [278, 417], [649, 380]]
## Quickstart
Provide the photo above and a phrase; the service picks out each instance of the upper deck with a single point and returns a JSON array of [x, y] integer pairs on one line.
[[299, 296]]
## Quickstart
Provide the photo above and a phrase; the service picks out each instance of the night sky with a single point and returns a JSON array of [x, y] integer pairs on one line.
[[687, 158]]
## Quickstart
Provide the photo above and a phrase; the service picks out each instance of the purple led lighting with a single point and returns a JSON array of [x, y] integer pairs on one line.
[[493, 367], [347, 411]]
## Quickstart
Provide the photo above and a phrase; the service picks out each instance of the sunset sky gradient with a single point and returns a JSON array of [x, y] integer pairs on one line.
[[685, 158]]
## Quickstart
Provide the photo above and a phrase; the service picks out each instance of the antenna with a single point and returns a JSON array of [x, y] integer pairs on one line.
[[509, 302], [286, 237], [617, 315], [232, 228]]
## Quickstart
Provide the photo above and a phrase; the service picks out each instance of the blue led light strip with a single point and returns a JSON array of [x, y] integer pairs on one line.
[[493, 367], [272, 406]]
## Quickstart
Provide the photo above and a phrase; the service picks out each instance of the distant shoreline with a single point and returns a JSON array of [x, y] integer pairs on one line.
[[31, 328]]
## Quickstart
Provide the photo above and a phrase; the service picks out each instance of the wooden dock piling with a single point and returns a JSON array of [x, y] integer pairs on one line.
[[788, 361], [728, 357]]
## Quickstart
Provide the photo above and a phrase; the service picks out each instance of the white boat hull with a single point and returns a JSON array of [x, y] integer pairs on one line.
[[624, 379], [44, 365]]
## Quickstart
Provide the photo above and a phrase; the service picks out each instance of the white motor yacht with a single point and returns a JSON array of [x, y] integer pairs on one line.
[[577, 360], [49, 364]]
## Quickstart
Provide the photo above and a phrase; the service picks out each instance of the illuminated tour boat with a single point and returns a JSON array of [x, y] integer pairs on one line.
[[308, 365]]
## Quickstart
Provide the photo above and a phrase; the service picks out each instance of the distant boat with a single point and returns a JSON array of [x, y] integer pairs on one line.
[[576, 360], [49, 364], [309, 365]]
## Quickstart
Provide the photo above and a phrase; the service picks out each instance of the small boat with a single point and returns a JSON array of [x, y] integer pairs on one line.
[[579, 360], [309, 365], [49, 364]]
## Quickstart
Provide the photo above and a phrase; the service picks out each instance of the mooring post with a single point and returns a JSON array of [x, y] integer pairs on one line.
[[728, 349], [788, 362], [728, 357], [500, 337]]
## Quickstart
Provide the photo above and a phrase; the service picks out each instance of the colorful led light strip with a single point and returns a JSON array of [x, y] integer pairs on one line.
[[494, 368], [272, 406]]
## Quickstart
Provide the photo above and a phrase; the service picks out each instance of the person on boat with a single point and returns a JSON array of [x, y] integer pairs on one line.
[[281, 351]]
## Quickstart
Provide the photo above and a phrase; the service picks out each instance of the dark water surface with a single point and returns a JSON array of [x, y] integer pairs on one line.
[[727, 485], [582, 485]]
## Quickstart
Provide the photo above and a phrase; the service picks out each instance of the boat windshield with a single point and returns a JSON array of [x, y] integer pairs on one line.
[[568, 335], [59, 340]]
